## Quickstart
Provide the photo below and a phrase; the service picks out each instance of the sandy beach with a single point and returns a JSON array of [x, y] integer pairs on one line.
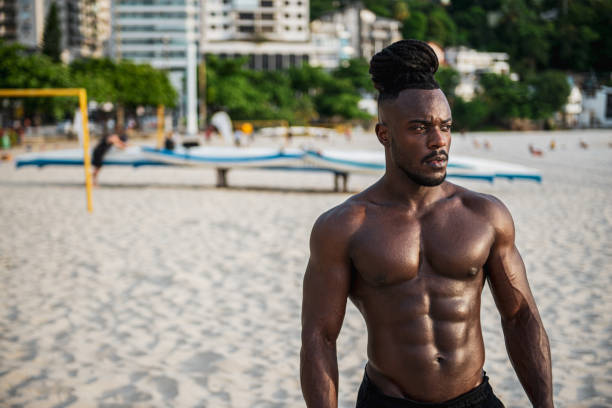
[[174, 293]]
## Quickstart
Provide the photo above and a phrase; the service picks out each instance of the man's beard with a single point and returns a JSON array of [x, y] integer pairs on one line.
[[420, 179], [426, 181]]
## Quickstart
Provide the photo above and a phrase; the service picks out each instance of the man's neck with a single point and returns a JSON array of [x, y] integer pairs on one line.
[[402, 190]]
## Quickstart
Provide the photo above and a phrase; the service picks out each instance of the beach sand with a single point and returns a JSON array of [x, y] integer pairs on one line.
[[176, 294]]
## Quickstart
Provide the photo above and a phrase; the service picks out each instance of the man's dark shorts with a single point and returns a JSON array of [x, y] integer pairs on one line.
[[480, 397]]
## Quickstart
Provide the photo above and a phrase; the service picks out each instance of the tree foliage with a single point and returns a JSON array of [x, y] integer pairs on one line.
[[538, 98], [18, 69], [124, 83], [299, 94], [448, 79], [537, 34], [52, 35]]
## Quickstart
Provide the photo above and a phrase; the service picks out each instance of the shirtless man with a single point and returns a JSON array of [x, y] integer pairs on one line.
[[413, 252]]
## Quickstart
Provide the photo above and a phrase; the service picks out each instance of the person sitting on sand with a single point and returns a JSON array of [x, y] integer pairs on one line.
[[534, 151], [413, 252], [106, 142]]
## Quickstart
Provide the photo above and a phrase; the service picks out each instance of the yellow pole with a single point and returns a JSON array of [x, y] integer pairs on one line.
[[82, 94], [86, 158], [160, 126], [40, 92]]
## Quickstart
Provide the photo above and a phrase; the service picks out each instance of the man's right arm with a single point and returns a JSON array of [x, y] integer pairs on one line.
[[325, 291]]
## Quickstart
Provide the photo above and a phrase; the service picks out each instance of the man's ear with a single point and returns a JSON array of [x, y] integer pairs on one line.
[[382, 132]]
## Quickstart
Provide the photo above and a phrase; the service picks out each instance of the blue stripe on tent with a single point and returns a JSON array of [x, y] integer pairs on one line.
[[170, 153], [79, 162], [510, 176], [368, 165], [488, 177]]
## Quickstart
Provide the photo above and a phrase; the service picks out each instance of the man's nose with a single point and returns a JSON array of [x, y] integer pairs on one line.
[[436, 138]]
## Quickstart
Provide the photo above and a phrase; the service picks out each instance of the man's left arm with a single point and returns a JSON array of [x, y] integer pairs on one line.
[[526, 340]]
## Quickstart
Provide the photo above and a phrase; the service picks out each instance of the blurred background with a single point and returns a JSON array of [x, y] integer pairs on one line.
[[505, 64]]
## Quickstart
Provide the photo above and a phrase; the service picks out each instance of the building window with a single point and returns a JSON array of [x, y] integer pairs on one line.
[[213, 27], [286, 15], [246, 29], [267, 16], [246, 16], [267, 29], [299, 16], [279, 62], [267, 3], [287, 28]]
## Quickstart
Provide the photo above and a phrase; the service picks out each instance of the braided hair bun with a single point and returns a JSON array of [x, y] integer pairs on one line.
[[405, 64]]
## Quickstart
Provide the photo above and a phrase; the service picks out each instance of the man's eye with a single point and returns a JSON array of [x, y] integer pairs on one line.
[[446, 128]]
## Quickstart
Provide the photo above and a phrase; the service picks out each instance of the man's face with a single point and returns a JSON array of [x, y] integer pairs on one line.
[[415, 130]]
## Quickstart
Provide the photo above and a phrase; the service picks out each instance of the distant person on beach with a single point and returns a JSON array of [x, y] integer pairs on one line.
[[107, 141], [534, 151], [413, 253]]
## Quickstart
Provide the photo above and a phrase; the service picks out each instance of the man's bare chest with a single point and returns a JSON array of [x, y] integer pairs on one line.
[[392, 249]]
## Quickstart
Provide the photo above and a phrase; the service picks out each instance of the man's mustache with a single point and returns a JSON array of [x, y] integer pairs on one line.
[[434, 154]]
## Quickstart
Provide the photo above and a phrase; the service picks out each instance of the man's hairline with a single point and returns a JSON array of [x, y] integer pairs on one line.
[[388, 101]]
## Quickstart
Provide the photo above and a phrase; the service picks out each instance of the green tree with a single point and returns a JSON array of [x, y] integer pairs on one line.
[[441, 28], [299, 94], [52, 35], [473, 28], [126, 83], [415, 26], [581, 32], [18, 69], [506, 98], [550, 90], [401, 11], [524, 35], [97, 76], [355, 70], [472, 115], [448, 79]]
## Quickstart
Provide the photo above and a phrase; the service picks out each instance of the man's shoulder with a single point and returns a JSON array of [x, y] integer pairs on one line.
[[485, 205], [343, 218]]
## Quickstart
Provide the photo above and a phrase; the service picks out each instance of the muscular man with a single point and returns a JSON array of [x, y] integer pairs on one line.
[[413, 252]]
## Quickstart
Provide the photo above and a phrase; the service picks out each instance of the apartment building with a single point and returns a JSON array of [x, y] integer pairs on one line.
[[154, 31], [8, 20], [272, 34], [84, 24], [471, 64], [362, 32]]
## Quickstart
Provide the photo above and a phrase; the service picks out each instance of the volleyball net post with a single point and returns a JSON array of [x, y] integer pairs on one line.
[[81, 93]]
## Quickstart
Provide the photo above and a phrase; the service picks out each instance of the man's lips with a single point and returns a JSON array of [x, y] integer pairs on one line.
[[436, 159]]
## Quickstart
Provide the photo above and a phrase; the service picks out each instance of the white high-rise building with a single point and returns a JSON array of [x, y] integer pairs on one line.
[[153, 31], [158, 32], [273, 34]]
